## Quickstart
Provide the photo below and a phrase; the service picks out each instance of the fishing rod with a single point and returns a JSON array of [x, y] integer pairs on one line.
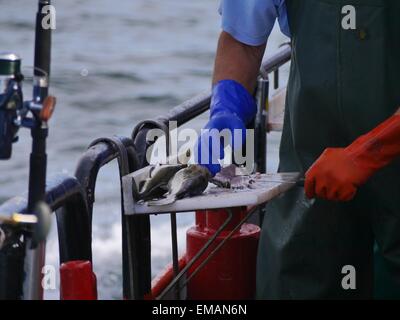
[[34, 115]]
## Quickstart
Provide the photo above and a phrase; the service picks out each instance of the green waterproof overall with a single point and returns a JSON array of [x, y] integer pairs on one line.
[[342, 84]]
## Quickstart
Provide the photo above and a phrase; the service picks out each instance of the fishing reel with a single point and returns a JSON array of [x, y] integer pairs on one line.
[[13, 110], [11, 102]]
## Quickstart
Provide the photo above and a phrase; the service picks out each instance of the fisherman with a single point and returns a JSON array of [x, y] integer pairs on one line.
[[341, 131]]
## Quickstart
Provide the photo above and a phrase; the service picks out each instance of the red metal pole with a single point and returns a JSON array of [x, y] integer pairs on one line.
[[230, 274]]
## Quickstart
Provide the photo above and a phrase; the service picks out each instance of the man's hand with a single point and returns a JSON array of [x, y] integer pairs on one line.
[[338, 172], [232, 107], [334, 176]]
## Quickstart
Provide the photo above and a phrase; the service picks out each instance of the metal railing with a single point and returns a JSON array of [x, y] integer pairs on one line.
[[72, 199]]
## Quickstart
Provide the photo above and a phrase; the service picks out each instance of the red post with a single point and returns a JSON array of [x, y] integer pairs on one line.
[[230, 274], [78, 281]]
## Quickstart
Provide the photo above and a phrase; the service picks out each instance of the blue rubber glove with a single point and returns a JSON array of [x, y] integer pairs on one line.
[[232, 108]]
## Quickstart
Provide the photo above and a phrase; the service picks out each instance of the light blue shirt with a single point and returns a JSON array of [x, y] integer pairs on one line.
[[251, 21]]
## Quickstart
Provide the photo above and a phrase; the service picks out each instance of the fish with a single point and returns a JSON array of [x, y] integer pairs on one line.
[[157, 183], [187, 182]]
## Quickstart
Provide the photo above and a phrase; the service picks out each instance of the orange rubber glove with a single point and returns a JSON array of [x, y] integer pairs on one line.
[[338, 172]]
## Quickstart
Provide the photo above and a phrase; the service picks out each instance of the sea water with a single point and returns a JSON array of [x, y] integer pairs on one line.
[[114, 64]]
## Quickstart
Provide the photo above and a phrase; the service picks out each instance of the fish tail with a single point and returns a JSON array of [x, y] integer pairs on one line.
[[161, 202]]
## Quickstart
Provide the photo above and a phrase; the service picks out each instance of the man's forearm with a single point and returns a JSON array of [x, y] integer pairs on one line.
[[237, 61]]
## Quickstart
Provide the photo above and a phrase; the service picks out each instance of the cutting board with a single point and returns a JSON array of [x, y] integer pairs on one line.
[[266, 187]]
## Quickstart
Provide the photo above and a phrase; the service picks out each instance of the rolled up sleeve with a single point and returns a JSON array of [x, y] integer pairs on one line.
[[248, 21], [251, 21]]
